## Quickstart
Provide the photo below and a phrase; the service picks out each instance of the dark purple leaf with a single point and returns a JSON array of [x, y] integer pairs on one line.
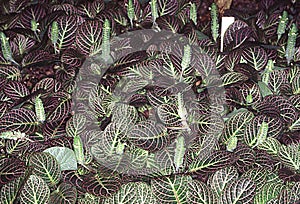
[[88, 37], [170, 23], [16, 90], [256, 57], [10, 169]]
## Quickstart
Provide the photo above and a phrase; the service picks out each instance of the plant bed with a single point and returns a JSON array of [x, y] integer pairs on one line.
[[134, 102]]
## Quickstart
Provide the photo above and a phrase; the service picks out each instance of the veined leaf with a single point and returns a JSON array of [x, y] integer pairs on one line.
[[232, 78], [171, 189], [76, 125], [35, 191], [10, 169], [236, 124], [271, 145], [88, 37], [221, 178], [46, 167], [9, 191], [269, 191], [20, 119], [149, 135], [290, 156], [64, 194], [239, 191], [256, 57], [199, 193], [99, 185], [217, 160]]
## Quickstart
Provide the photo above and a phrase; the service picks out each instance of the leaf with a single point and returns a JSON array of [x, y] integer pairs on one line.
[[46, 167], [64, 156], [64, 194], [256, 57], [170, 23], [214, 21], [127, 194], [10, 72], [260, 127], [35, 191], [171, 189], [199, 193], [88, 37], [236, 124], [217, 160], [66, 31], [144, 194], [264, 90], [167, 7], [149, 135], [76, 125], [99, 185], [230, 33], [269, 191], [20, 119], [290, 156], [239, 191], [9, 191], [231, 78], [271, 145], [221, 178], [16, 90], [168, 114], [10, 169], [78, 149], [39, 109]]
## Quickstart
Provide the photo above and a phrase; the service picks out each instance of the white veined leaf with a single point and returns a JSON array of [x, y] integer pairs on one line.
[[126, 195], [200, 193], [65, 157], [46, 167], [290, 156], [271, 145], [295, 126], [239, 191], [9, 191], [218, 181], [236, 124], [35, 191], [76, 125], [171, 189]]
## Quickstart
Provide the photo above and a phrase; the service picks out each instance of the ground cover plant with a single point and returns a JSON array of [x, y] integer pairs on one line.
[[133, 102]]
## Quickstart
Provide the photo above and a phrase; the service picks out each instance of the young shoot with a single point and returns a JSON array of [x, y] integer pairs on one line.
[[291, 43], [214, 22]]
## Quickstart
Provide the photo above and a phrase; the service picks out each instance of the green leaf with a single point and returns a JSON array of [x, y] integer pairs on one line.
[[269, 191], [45, 166], [35, 191], [232, 78], [282, 24], [179, 152], [264, 89], [66, 157]]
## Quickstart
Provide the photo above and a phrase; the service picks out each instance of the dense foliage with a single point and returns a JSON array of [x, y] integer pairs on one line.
[[84, 118]]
